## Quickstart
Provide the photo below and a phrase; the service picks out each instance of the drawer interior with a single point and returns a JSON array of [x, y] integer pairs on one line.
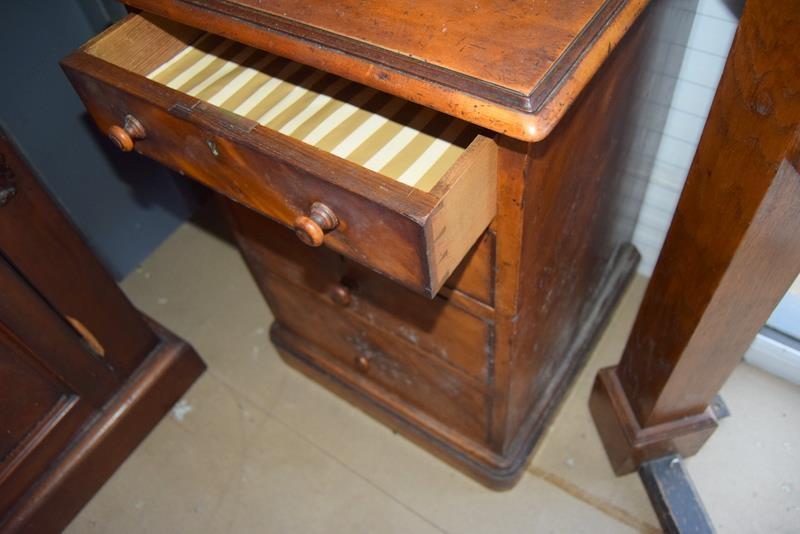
[[396, 138]]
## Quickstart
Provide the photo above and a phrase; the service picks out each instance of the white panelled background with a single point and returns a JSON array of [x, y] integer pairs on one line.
[[703, 61]]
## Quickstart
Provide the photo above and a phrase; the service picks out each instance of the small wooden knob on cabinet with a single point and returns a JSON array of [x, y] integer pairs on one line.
[[341, 296], [362, 363], [123, 136], [311, 229]]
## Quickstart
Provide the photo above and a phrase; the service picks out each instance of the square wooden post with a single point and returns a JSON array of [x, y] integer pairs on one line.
[[731, 253]]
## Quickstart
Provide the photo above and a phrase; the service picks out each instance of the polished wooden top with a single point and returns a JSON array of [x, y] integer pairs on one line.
[[508, 65], [510, 46]]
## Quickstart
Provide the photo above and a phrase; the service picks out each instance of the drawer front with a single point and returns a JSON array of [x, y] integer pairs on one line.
[[414, 237], [436, 326], [378, 363]]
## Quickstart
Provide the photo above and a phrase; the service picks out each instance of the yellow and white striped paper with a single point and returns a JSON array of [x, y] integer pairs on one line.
[[398, 139]]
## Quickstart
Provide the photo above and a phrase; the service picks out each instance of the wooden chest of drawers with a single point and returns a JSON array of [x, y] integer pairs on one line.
[[457, 176]]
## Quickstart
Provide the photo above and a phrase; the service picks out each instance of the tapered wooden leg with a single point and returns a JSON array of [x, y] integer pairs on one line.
[[731, 253]]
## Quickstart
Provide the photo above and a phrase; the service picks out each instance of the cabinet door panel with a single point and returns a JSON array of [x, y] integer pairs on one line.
[[30, 397], [51, 382], [38, 417], [54, 342]]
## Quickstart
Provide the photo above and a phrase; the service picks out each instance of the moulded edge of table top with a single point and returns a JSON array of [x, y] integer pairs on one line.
[[528, 117]]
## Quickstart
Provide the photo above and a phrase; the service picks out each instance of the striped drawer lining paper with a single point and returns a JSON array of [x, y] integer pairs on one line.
[[396, 138]]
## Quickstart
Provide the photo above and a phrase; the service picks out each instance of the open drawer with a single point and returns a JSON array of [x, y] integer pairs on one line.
[[395, 186]]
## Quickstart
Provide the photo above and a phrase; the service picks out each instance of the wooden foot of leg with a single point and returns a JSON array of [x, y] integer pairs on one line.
[[628, 444]]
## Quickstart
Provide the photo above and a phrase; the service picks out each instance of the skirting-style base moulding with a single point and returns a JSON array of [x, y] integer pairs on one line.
[[627, 444]]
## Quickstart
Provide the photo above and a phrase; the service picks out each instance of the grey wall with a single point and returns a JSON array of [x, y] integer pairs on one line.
[[124, 204]]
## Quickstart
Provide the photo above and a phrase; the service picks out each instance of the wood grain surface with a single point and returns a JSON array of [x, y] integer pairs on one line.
[[512, 67]]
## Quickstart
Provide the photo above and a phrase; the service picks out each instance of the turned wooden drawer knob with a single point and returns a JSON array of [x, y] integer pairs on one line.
[[362, 363], [123, 136], [311, 229], [341, 296]]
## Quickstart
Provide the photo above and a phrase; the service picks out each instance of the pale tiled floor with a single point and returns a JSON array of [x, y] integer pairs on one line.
[[256, 447]]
